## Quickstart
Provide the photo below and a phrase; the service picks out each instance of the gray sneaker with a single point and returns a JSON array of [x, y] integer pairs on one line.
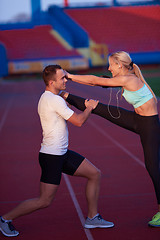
[[97, 222], [7, 228]]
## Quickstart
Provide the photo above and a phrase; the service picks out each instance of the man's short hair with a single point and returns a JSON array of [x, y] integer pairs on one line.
[[49, 73]]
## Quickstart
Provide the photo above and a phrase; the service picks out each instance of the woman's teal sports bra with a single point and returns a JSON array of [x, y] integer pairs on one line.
[[139, 97]]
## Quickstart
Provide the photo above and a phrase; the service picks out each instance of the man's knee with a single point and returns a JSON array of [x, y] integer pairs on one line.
[[97, 174], [44, 203]]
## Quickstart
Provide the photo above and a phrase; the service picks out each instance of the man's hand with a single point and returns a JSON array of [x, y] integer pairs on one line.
[[91, 103], [79, 119]]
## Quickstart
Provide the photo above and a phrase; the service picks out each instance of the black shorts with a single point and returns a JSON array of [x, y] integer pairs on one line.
[[52, 166]]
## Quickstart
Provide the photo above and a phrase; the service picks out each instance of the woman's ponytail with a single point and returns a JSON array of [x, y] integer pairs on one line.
[[138, 73]]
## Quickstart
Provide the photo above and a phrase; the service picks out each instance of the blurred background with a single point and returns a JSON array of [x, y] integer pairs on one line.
[[78, 35]]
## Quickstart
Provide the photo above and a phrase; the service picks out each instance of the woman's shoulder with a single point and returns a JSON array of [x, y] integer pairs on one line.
[[131, 77], [132, 81]]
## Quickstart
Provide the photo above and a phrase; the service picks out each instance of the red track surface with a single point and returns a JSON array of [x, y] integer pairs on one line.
[[127, 197]]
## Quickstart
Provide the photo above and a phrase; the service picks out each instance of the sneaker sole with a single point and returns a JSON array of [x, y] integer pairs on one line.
[[150, 225], [98, 226], [5, 234]]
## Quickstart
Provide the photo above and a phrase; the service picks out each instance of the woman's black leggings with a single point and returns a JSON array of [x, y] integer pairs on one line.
[[148, 128]]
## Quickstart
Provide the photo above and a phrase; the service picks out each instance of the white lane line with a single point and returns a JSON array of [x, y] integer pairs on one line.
[[5, 113], [116, 143], [76, 204]]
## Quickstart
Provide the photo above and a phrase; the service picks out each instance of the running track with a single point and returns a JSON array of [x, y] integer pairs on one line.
[[126, 197]]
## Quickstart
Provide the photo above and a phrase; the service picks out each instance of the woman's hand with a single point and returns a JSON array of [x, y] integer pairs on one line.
[[68, 75]]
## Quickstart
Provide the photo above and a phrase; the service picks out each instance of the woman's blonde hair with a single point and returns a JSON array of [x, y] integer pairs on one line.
[[126, 61]]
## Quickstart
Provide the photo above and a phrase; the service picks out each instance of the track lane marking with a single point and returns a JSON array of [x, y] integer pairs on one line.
[[77, 206], [116, 143], [2, 122]]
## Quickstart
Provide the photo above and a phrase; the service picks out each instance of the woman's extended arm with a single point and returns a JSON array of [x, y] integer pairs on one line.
[[96, 81]]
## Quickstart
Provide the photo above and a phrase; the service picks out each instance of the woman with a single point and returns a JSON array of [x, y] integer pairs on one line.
[[143, 120]]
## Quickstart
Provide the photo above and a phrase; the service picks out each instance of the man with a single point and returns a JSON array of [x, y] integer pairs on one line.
[[54, 156]]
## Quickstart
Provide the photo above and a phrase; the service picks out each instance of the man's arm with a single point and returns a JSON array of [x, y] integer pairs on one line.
[[79, 119]]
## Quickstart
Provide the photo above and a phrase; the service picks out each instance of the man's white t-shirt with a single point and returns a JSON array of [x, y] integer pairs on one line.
[[54, 112]]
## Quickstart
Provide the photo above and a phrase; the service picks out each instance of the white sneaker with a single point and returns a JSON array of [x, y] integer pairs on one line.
[[97, 222], [7, 228]]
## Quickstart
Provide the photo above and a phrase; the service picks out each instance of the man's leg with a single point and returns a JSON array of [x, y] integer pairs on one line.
[[47, 193], [89, 171]]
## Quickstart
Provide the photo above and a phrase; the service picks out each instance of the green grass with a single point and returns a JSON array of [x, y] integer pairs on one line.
[[154, 83], [152, 76]]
